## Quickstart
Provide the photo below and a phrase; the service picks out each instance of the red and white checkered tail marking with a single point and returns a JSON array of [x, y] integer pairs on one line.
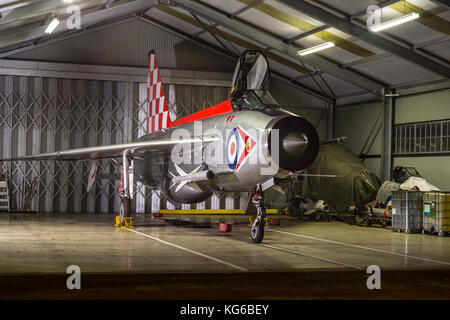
[[158, 111]]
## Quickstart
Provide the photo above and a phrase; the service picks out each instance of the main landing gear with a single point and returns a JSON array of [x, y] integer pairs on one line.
[[257, 228], [126, 189]]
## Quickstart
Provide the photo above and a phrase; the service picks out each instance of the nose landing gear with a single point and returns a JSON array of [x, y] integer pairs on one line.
[[257, 228], [124, 210], [126, 186]]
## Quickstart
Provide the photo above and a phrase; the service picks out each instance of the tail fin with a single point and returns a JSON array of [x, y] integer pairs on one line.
[[158, 112]]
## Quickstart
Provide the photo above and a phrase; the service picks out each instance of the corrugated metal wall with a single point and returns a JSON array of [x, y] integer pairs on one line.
[[127, 44], [296, 101], [45, 114], [426, 107], [423, 107], [356, 122], [49, 114], [361, 124]]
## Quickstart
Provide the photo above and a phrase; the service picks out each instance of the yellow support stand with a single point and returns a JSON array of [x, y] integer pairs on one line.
[[213, 211], [126, 222], [266, 224]]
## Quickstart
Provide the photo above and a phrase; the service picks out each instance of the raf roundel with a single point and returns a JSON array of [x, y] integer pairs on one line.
[[232, 149]]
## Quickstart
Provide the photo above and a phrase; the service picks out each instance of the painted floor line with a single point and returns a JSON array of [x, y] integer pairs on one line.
[[362, 247], [189, 250], [310, 256]]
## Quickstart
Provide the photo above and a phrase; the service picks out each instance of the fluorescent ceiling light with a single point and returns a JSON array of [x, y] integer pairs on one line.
[[52, 26], [320, 47], [394, 22], [67, 1]]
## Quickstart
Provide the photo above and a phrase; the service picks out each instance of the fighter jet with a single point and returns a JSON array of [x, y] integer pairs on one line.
[[244, 144]]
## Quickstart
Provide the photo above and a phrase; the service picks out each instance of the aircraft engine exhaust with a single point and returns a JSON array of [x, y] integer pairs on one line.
[[298, 143]]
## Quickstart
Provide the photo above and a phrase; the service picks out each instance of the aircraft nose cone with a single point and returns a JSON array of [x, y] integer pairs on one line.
[[297, 143]]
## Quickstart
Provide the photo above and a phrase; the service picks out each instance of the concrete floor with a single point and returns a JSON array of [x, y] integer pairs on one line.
[[35, 248]]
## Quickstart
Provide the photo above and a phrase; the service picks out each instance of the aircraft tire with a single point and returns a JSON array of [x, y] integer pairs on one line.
[[258, 235], [124, 210]]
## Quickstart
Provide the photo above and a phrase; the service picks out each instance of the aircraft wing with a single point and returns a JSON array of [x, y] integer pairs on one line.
[[113, 151], [317, 175]]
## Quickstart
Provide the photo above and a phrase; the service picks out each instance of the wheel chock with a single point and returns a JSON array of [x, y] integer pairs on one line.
[[274, 221], [266, 224], [225, 227], [126, 222]]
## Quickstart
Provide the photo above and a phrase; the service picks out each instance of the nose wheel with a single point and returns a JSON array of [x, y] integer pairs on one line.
[[257, 228], [257, 231], [124, 210]]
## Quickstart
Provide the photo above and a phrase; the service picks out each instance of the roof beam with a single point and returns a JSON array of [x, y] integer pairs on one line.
[[279, 45], [415, 47], [307, 33], [61, 37], [107, 4], [367, 36], [380, 5], [431, 42], [12, 5], [292, 19], [223, 53], [307, 75], [445, 3], [246, 8], [428, 18], [413, 84], [365, 60], [209, 30], [37, 9], [19, 35], [232, 16]]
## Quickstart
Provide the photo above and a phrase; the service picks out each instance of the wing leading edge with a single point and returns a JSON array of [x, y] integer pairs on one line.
[[113, 151]]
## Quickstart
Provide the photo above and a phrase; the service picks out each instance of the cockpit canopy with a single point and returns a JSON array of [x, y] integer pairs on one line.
[[250, 82], [251, 73], [256, 99]]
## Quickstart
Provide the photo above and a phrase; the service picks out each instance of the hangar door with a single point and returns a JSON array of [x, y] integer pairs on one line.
[[40, 115]]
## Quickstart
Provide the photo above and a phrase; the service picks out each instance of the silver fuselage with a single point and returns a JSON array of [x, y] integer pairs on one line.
[[251, 167]]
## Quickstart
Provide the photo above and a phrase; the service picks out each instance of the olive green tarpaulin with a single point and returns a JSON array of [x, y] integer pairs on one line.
[[358, 186]]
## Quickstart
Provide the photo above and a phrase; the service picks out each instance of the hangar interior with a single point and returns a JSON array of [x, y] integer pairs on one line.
[[387, 93]]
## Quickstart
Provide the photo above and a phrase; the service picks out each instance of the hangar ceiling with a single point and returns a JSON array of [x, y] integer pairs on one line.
[[359, 67]]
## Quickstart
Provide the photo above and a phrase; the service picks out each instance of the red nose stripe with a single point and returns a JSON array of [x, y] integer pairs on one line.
[[221, 108]]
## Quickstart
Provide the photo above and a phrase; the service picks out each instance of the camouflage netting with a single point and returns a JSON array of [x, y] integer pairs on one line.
[[358, 186]]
